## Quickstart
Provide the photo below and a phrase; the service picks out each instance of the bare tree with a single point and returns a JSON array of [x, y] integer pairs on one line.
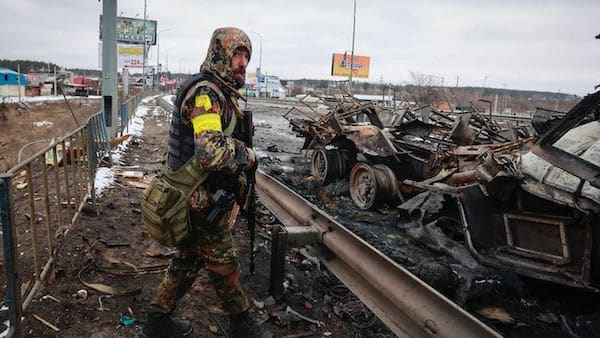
[[424, 90]]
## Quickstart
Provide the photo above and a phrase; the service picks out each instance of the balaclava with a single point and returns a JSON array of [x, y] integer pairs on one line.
[[223, 43]]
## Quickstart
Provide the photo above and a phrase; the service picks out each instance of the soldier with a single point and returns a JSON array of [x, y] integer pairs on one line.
[[206, 111]]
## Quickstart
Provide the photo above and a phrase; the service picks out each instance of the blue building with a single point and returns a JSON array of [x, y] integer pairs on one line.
[[10, 84]]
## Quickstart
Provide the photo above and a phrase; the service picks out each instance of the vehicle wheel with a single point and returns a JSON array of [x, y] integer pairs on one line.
[[327, 164], [371, 186]]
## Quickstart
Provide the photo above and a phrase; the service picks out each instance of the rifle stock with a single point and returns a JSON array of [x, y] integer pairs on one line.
[[250, 176]]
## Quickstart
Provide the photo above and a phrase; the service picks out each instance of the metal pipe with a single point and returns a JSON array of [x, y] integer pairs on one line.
[[32, 223], [66, 173], [47, 206], [57, 186], [74, 169]]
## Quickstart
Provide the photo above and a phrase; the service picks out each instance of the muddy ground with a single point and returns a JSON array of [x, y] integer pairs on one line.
[[109, 236], [42, 121]]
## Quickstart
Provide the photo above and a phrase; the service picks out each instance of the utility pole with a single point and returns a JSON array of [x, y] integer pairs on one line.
[[158, 65], [352, 55], [109, 63], [145, 54], [259, 73]]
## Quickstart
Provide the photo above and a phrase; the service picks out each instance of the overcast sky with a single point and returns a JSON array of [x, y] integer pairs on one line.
[[526, 44]]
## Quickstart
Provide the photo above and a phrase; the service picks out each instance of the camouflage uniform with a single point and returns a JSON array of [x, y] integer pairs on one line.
[[207, 107]]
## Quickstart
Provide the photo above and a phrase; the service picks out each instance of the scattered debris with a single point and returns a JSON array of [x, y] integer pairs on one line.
[[82, 294], [127, 320], [289, 310], [106, 288], [496, 313], [45, 322]]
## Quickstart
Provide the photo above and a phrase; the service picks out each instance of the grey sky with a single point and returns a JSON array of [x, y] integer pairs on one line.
[[538, 45]]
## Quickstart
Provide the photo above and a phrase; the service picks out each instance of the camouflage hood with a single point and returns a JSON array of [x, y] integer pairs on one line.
[[223, 43]]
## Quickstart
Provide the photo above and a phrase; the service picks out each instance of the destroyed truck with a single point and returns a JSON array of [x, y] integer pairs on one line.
[[376, 148]]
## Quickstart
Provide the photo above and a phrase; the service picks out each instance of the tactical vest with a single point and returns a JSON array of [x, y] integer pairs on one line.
[[181, 134], [165, 209]]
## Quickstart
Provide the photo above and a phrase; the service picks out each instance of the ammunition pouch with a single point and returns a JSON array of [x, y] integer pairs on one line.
[[165, 208]]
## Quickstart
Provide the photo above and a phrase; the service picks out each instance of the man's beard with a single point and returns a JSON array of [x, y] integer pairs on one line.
[[240, 78]]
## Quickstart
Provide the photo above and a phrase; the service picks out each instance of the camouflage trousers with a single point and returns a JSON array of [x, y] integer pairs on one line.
[[213, 248]]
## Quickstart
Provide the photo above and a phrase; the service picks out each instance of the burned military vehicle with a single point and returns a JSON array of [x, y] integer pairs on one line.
[[377, 147]]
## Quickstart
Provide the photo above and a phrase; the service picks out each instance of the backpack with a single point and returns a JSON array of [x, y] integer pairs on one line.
[[165, 208]]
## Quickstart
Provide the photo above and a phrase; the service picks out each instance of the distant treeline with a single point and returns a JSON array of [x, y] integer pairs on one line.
[[29, 66], [369, 87]]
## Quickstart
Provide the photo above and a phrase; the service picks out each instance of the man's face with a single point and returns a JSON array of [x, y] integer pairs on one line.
[[239, 62]]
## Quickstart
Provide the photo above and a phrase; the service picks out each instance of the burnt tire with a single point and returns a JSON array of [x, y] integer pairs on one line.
[[372, 186], [327, 164]]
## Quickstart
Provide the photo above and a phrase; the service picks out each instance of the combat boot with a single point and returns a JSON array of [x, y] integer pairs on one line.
[[161, 325], [242, 326]]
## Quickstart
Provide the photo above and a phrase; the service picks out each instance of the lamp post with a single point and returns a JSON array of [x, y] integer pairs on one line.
[[260, 65], [352, 55], [158, 53], [145, 55], [167, 63]]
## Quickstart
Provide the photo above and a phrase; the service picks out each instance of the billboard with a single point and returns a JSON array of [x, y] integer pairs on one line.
[[340, 65], [130, 56], [131, 30]]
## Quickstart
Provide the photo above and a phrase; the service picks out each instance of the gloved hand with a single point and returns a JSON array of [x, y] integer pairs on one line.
[[252, 161], [245, 158]]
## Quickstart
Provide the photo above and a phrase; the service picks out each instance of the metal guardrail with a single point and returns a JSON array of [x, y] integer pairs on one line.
[[127, 110], [40, 199], [405, 304]]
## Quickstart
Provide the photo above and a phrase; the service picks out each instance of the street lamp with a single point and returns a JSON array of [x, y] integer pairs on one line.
[[158, 51], [167, 63], [352, 55], [260, 66]]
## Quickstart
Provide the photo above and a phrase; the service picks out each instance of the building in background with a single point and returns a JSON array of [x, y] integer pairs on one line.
[[12, 83], [265, 86]]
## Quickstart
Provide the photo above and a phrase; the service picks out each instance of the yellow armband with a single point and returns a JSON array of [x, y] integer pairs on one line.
[[207, 122]]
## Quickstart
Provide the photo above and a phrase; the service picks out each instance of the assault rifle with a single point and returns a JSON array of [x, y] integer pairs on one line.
[[250, 194]]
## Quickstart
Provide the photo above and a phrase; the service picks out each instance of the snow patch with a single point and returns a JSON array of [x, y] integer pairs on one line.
[[5, 332], [43, 124], [104, 179], [15, 99], [105, 176], [170, 98]]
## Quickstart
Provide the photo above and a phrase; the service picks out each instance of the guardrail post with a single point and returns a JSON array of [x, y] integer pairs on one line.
[[278, 249], [124, 117], [9, 246]]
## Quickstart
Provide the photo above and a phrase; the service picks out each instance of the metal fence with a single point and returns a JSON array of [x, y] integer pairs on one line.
[[40, 199], [127, 111]]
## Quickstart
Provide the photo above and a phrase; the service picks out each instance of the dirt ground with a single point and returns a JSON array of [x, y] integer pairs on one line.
[[42, 122], [109, 245], [109, 236]]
